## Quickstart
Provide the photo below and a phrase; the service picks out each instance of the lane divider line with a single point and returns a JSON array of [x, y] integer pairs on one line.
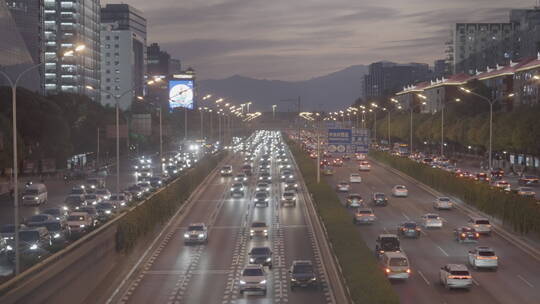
[[442, 250], [525, 281]]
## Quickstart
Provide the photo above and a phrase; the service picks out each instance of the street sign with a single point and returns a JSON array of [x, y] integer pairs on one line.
[[340, 141], [361, 140]]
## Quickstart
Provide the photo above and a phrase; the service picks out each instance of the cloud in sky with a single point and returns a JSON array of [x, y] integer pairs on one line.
[[301, 39]]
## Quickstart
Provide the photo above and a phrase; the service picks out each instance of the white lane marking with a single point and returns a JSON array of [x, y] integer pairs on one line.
[[525, 281], [444, 252], [424, 277], [475, 282], [405, 216], [424, 232]]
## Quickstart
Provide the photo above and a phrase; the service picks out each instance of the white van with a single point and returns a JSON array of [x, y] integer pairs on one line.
[[35, 194]]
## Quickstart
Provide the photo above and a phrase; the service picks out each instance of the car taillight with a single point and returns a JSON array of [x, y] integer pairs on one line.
[[408, 271], [486, 258], [463, 235], [477, 235]]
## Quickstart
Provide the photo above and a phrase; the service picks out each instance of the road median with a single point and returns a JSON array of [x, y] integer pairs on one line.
[[363, 277]]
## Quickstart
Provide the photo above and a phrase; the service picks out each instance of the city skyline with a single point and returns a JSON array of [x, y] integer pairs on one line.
[[280, 40]]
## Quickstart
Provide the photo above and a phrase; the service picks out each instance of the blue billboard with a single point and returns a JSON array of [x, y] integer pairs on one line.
[[181, 94]]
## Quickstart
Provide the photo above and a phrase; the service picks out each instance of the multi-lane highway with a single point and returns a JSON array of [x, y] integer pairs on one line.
[[174, 272], [516, 280]]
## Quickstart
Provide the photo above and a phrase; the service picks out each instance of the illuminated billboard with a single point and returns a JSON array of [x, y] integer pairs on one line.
[[181, 94]]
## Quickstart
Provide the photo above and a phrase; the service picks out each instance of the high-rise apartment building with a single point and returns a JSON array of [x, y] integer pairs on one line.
[[477, 46], [128, 18], [15, 57], [159, 62], [529, 30], [66, 25], [27, 15], [385, 78]]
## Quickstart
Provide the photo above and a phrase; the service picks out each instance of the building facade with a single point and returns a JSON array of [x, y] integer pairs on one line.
[[386, 78], [27, 15], [15, 56], [128, 18], [477, 46], [66, 25]]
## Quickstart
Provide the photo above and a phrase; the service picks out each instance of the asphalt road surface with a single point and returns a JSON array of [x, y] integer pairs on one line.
[[209, 273], [516, 281]]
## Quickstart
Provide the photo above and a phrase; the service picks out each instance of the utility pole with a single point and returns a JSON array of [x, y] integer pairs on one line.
[[318, 152], [97, 154]]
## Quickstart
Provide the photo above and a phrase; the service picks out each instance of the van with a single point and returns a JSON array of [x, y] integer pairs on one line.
[[395, 265], [480, 224], [35, 194]]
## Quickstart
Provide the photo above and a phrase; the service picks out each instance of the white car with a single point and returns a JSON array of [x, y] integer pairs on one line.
[[343, 186], [196, 233], [355, 178], [364, 166], [253, 278], [455, 276], [480, 224], [400, 191], [483, 257], [79, 221], [364, 216], [395, 265], [503, 185], [443, 203], [432, 220]]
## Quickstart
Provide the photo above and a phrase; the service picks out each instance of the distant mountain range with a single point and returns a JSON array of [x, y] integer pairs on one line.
[[329, 92]]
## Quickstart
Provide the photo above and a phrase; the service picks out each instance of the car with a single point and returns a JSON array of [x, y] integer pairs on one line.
[[497, 173], [7, 231], [34, 194], [302, 274], [431, 220], [120, 200], [226, 170], [466, 234], [337, 162], [171, 170], [327, 171], [265, 177], [78, 190], [59, 213], [33, 241], [480, 224], [400, 191], [355, 178], [92, 199], [285, 164], [92, 213], [387, 243], [288, 198], [379, 199], [443, 203], [145, 186], [258, 229], [395, 265], [79, 222], [38, 219], [252, 278], [409, 229], [237, 193], [262, 187], [502, 185], [528, 180], [241, 177], [104, 194], [482, 177], [483, 257], [136, 191], [343, 186], [364, 216], [196, 233], [4, 246], [364, 165], [285, 175], [526, 191], [246, 168], [105, 210], [156, 181], [261, 198], [261, 256], [455, 276], [346, 157], [59, 231]]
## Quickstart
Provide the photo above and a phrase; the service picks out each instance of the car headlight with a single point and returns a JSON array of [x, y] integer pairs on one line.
[[313, 279], [293, 279], [122, 203], [252, 231], [269, 259], [82, 225], [107, 211], [232, 189], [266, 199], [65, 208], [34, 247], [186, 235], [56, 235], [36, 198], [251, 260], [265, 231], [242, 282], [263, 282], [201, 235]]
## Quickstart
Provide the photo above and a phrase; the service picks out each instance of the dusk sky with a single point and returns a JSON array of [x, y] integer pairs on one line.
[[301, 39]]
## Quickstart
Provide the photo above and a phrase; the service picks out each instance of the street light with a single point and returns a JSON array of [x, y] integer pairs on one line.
[[13, 85], [491, 103]]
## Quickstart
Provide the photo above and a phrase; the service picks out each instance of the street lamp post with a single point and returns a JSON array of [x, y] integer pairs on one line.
[[274, 112], [13, 85]]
